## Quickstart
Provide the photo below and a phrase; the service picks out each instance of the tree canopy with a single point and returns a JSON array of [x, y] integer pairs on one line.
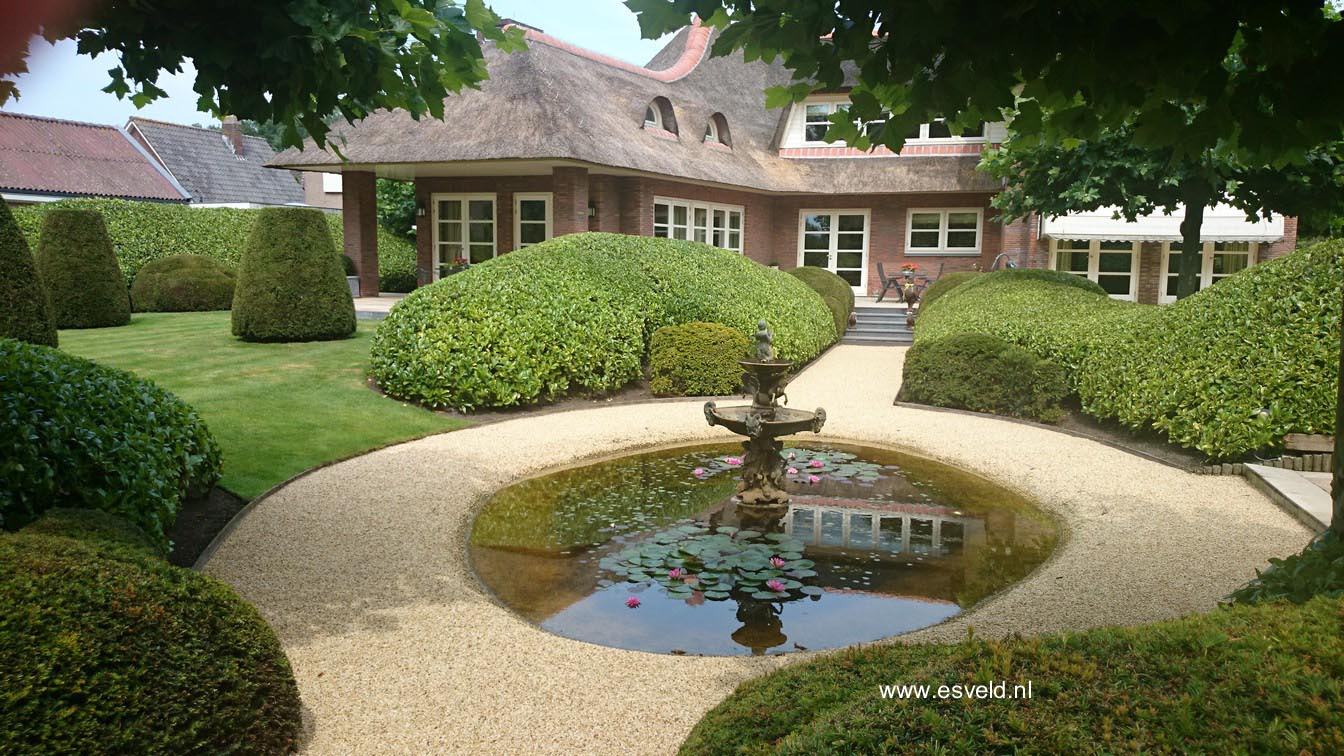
[[289, 62]]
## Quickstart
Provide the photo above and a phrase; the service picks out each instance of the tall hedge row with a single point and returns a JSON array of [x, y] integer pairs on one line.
[[576, 314], [145, 231], [1228, 371]]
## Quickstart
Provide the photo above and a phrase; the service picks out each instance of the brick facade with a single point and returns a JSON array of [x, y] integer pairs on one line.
[[359, 219], [624, 204]]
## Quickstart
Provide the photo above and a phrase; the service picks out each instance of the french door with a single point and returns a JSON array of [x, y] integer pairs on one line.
[[836, 240], [464, 229]]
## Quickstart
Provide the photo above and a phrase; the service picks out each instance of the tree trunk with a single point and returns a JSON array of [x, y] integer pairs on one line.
[[1337, 467], [1192, 249]]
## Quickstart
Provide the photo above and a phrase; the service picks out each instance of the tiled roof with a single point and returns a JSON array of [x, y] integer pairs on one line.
[[56, 157], [202, 161]]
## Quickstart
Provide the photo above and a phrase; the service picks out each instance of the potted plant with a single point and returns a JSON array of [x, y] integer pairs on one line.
[[458, 265]]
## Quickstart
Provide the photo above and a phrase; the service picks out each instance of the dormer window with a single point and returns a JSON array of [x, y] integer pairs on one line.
[[817, 119], [716, 130], [938, 129], [658, 115]]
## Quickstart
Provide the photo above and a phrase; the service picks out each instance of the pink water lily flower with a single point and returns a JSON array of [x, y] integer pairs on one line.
[[816, 463], [698, 471], [793, 471], [675, 572], [632, 602], [813, 479], [777, 563], [775, 586], [733, 460]]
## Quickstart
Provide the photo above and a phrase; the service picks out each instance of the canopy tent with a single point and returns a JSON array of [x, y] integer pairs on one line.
[[1221, 223]]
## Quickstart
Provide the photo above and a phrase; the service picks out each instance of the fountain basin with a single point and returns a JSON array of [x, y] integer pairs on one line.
[[776, 422]]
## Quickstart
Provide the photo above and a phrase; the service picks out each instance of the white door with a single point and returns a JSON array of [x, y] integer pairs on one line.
[[836, 240], [464, 229]]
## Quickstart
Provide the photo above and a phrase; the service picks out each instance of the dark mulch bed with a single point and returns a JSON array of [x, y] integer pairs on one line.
[[199, 522]]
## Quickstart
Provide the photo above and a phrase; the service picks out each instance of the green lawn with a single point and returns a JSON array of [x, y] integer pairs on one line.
[[277, 409]]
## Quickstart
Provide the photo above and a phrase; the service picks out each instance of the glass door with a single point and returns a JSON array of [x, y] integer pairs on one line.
[[838, 242], [464, 230]]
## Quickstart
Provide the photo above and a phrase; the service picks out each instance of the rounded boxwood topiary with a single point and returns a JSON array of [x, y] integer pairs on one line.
[[78, 267], [696, 359], [26, 314], [839, 313], [984, 374], [106, 648], [77, 434], [945, 283], [827, 284], [290, 283], [575, 314], [182, 283]]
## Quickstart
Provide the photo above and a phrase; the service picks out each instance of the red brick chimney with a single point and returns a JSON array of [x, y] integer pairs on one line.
[[233, 134]]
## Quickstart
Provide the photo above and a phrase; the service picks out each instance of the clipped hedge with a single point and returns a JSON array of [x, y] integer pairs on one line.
[[696, 359], [105, 648], [827, 284], [76, 264], [76, 434], [1200, 371], [145, 231], [983, 374], [183, 283], [1264, 339], [945, 283], [575, 314], [290, 283], [26, 314], [839, 315]]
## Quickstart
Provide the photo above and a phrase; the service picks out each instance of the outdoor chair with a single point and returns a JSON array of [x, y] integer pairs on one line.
[[889, 283]]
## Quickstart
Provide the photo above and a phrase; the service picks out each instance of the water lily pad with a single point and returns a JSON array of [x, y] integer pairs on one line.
[[811, 590], [766, 595], [804, 573], [717, 595]]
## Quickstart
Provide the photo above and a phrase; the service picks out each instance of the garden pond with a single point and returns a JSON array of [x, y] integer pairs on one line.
[[651, 551]]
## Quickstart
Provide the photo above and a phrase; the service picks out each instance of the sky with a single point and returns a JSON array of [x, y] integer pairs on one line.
[[60, 83]]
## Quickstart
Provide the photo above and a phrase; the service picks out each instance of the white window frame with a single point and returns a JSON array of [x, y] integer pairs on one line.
[[466, 200], [708, 228], [831, 105], [518, 199], [924, 137], [1207, 252], [1094, 251], [332, 183], [835, 102], [657, 122], [832, 247], [942, 248]]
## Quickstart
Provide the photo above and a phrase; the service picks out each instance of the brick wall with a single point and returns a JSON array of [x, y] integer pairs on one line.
[[1150, 272], [569, 210], [359, 219], [503, 187], [1286, 245]]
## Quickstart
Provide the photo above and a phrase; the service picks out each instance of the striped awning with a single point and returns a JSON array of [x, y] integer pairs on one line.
[[1221, 223]]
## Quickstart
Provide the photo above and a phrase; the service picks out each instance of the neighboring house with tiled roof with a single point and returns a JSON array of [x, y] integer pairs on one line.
[[560, 140], [47, 159], [218, 167]]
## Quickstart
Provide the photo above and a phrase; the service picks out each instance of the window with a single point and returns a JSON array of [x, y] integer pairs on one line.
[[719, 225], [531, 219], [331, 183], [836, 240], [658, 115], [817, 119], [1219, 260], [943, 232], [653, 119], [1112, 264], [464, 228], [711, 132], [938, 129], [716, 130]]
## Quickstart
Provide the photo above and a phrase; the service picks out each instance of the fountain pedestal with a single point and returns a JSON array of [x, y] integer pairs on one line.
[[763, 422]]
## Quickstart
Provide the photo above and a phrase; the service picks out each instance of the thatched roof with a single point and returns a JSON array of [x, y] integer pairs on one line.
[[557, 102]]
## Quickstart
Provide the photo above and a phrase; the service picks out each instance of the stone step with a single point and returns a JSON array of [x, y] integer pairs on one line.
[[869, 341]]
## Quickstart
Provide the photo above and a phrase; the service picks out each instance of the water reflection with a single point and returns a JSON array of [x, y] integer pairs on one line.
[[899, 545]]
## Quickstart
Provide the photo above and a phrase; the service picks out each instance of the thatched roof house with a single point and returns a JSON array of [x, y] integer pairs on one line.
[[561, 140]]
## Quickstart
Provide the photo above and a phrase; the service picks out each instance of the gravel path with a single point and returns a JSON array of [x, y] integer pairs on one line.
[[360, 568]]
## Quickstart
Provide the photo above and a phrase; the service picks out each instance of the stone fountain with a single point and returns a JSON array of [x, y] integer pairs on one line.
[[763, 422]]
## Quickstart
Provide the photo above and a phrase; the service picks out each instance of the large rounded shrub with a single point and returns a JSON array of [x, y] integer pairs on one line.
[[575, 314], [291, 286], [105, 648], [1236, 367], [77, 265], [945, 283], [984, 374], [183, 283], [26, 312], [696, 359], [827, 284], [145, 231], [76, 434]]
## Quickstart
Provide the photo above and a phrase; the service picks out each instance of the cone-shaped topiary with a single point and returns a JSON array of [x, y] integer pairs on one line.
[[77, 264], [182, 283], [26, 314], [291, 286]]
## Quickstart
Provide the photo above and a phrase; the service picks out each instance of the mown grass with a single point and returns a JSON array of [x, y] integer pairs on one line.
[[277, 409], [1248, 679]]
